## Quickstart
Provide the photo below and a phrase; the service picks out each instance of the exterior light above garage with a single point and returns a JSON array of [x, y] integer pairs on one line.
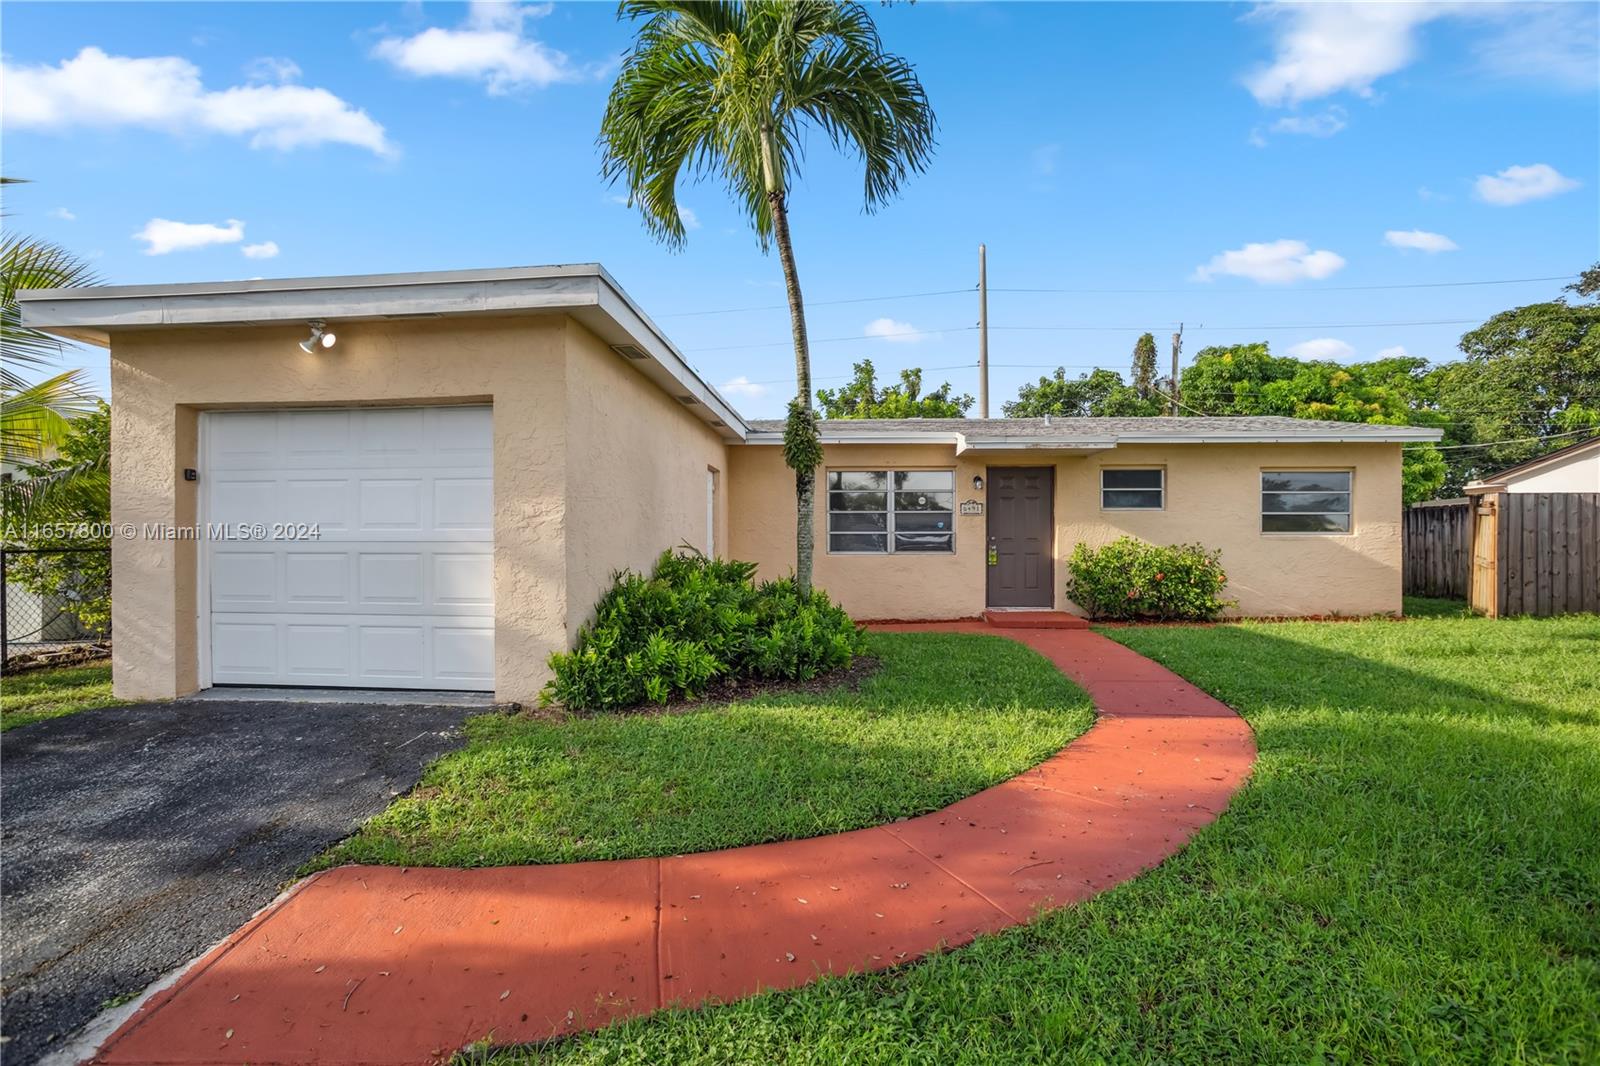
[[321, 337]]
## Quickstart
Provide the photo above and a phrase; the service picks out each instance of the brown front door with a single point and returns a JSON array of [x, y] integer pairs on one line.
[[1022, 536]]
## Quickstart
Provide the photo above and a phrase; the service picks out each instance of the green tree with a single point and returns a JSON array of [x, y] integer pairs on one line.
[[34, 411], [80, 500], [727, 90], [862, 398], [1529, 372], [1101, 393], [1247, 379], [1144, 367]]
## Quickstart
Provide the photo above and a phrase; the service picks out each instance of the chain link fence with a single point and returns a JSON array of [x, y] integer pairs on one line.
[[56, 605]]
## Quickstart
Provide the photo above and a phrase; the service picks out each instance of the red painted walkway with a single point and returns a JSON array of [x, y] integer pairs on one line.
[[374, 965]]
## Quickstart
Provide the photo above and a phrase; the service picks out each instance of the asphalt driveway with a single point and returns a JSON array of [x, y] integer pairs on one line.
[[135, 837]]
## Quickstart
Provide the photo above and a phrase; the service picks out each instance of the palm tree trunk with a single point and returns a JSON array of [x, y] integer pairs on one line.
[[805, 481]]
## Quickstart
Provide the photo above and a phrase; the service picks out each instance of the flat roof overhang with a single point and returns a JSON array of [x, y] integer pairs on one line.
[[585, 291]]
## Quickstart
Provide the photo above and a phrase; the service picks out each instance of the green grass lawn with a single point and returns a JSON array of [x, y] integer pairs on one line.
[[945, 716], [1412, 875], [34, 695]]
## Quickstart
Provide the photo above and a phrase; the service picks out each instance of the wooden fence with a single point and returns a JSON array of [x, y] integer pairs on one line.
[[1537, 553], [1437, 559]]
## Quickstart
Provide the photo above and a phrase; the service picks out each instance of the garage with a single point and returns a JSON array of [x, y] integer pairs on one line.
[[348, 547]]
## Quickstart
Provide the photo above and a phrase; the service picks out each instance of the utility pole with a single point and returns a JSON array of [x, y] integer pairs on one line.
[[983, 332], [1172, 395]]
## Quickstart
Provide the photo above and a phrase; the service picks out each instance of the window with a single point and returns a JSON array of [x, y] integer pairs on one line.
[[1305, 501], [883, 511], [1132, 490]]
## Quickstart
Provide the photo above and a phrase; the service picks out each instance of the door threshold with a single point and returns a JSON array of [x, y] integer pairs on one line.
[[406, 697]]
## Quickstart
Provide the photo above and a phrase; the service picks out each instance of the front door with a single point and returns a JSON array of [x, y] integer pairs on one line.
[[1022, 536]]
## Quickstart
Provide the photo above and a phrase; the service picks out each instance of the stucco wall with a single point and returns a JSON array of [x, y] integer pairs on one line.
[[161, 379], [1212, 497], [1572, 473], [636, 473]]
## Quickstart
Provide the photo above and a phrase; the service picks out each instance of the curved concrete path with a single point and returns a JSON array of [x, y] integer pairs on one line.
[[370, 965]]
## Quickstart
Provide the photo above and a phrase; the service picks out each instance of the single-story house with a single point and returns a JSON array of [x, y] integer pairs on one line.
[[1574, 468], [426, 481]]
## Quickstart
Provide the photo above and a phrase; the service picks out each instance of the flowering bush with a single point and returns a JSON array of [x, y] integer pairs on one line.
[[1130, 579]]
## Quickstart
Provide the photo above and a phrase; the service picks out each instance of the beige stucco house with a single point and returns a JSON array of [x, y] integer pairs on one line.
[[436, 497]]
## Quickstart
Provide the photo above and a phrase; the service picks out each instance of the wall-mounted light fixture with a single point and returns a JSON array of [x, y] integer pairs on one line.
[[977, 482], [321, 337]]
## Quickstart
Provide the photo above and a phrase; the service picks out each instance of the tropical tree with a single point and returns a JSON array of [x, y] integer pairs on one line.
[[1143, 374], [36, 413], [862, 398], [1101, 393], [726, 91], [1530, 372]]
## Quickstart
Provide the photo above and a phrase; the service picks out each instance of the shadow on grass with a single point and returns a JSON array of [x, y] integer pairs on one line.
[[1410, 875]]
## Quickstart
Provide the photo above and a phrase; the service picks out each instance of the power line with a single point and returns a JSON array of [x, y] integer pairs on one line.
[[820, 303], [836, 340], [1320, 288], [972, 290], [1283, 325], [1494, 443]]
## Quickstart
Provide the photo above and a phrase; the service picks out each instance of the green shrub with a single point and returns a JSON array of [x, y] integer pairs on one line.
[[692, 621], [1129, 578]]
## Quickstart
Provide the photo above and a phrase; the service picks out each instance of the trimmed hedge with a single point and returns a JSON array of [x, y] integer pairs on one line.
[[692, 621], [1131, 579]]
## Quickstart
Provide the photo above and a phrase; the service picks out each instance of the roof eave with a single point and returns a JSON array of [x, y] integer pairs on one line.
[[585, 291]]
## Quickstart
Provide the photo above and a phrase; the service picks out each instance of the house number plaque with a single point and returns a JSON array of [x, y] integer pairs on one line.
[[971, 506]]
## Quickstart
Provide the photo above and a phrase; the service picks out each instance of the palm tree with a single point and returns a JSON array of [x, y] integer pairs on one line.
[[726, 90], [35, 415]]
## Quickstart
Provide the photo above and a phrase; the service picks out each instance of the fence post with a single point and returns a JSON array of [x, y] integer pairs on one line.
[[5, 609]]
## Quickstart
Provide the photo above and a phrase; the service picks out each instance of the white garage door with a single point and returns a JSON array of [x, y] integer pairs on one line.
[[395, 586]]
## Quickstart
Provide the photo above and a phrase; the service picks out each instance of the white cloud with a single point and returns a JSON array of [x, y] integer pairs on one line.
[[264, 250], [1516, 185], [277, 69], [1322, 348], [490, 46], [743, 387], [166, 93], [1557, 44], [1323, 48], [1397, 351], [890, 330], [64, 215], [162, 235], [1419, 240], [1326, 48], [1272, 263], [687, 216], [1324, 124]]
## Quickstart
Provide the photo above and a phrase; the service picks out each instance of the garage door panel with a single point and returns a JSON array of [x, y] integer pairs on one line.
[[464, 654], [316, 577], [239, 577], [323, 502], [390, 504], [463, 579], [396, 586], [390, 579], [244, 651], [463, 504], [392, 652], [317, 654]]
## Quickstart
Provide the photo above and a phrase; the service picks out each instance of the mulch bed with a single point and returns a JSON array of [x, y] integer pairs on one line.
[[72, 655], [728, 690]]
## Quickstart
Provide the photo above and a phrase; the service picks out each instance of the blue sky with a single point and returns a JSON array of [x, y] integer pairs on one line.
[[1246, 167]]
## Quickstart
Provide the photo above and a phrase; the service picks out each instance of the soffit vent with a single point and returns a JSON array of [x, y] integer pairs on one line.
[[630, 351], [687, 400]]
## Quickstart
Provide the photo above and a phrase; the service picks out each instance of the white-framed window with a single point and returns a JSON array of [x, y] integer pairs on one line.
[[1130, 489], [1305, 501], [711, 511], [878, 512]]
